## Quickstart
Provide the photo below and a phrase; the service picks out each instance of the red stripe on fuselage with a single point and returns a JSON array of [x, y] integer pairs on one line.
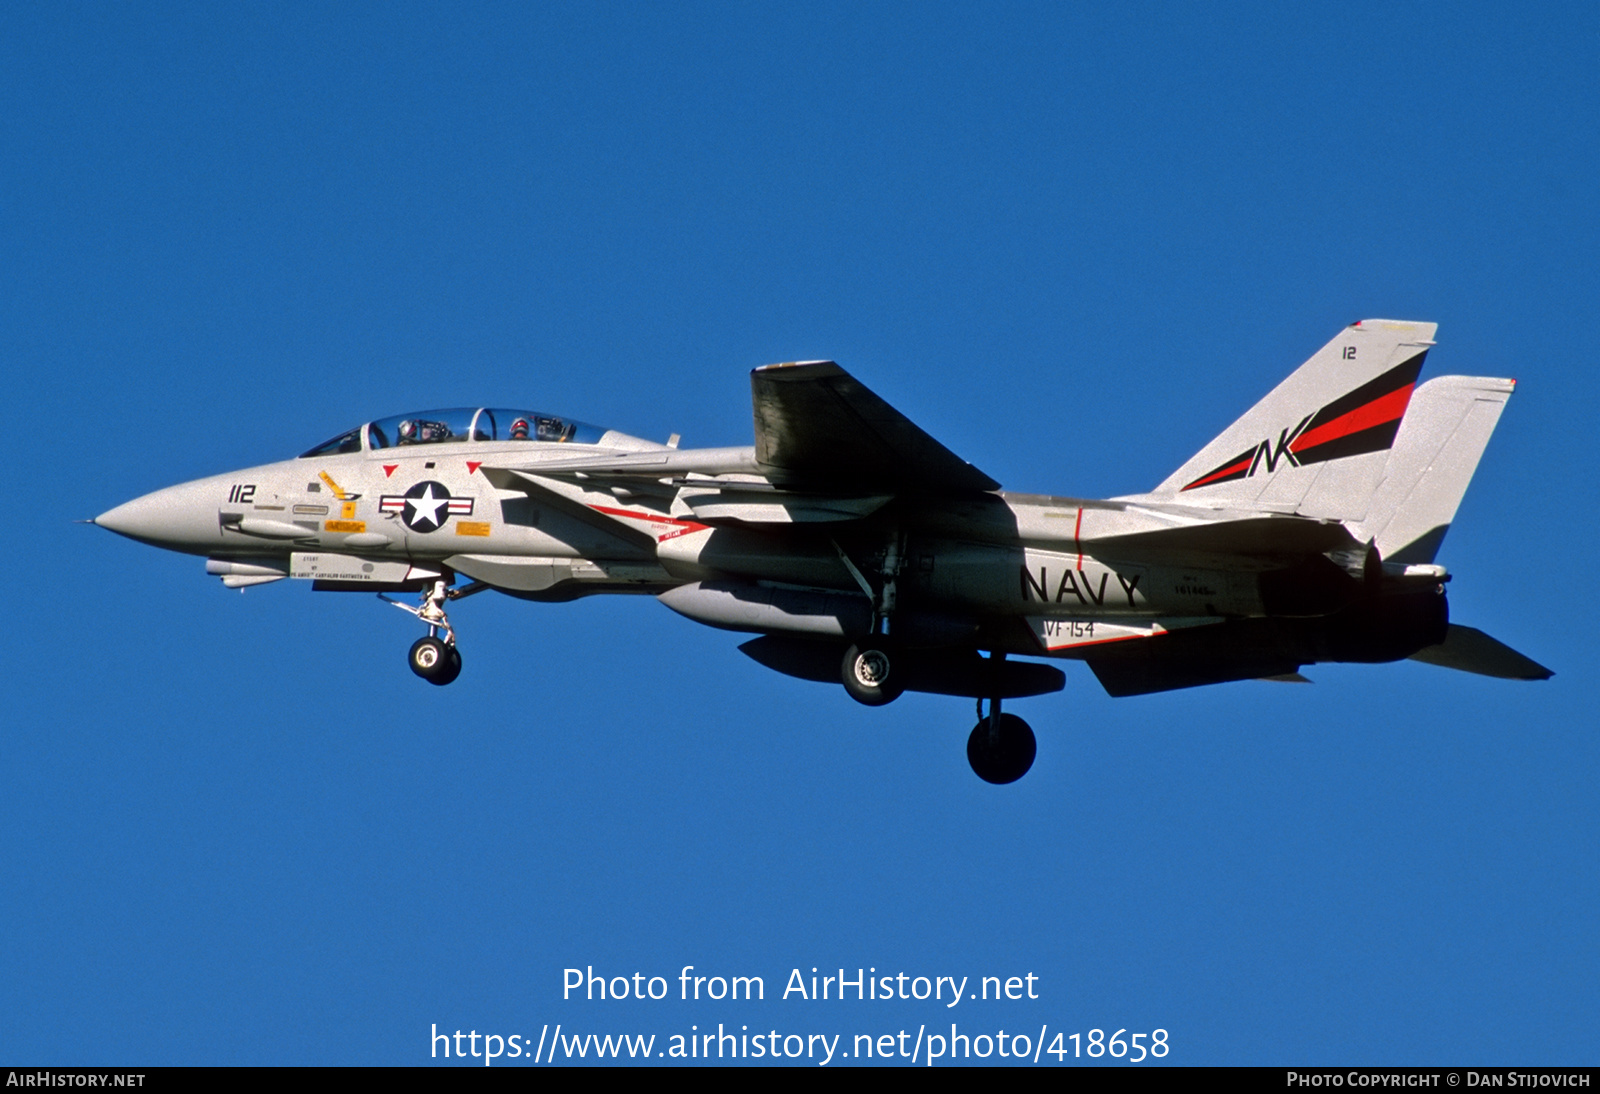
[[1104, 641], [683, 529]]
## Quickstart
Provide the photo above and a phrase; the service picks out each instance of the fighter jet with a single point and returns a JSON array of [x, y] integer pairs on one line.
[[862, 552]]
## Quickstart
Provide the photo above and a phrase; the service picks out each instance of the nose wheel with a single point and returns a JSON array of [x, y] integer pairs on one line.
[[435, 658]]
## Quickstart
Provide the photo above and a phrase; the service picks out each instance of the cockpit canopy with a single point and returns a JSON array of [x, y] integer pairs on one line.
[[457, 426]]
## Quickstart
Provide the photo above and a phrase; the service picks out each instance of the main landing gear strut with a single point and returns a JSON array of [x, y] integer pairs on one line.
[[435, 658], [868, 669], [1001, 747]]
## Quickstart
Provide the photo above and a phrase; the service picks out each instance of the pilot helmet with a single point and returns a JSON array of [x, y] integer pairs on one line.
[[408, 431], [519, 428]]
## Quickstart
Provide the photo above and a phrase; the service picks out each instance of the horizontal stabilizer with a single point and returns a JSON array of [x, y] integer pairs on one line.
[[1470, 650], [818, 427], [1123, 676], [1195, 657]]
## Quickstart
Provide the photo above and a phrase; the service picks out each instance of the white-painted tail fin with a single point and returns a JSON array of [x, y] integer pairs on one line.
[[1437, 450], [1318, 442]]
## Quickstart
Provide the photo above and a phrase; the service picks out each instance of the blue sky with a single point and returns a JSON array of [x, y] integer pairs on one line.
[[1072, 242]]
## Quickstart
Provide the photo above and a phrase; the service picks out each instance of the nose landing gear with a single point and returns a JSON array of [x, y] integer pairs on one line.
[[436, 658], [436, 661]]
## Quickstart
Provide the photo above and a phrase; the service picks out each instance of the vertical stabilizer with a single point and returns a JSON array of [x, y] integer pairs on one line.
[[1318, 442], [1437, 450]]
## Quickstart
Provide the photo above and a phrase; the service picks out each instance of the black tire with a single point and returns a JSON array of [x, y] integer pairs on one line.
[[1003, 752], [435, 661], [869, 673], [452, 668]]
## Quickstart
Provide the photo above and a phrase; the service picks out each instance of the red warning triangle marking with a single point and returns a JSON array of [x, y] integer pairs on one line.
[[390, 469], [473, 465]]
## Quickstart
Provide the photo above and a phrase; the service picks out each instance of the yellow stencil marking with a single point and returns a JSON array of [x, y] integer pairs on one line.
[[472, 527], [338, 491]]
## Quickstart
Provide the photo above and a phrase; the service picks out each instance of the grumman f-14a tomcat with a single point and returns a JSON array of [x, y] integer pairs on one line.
[[863, 552]]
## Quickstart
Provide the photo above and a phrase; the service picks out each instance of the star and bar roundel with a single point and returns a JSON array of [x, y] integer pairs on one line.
[[426, 506], [1365, 420]]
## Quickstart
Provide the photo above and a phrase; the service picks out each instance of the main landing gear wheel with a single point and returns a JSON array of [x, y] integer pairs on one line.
[[869, 674], [1001, 749], [436, 661]]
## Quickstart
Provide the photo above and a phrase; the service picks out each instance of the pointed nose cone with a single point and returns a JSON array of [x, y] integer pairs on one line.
[[179, 518], [135, 519]]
